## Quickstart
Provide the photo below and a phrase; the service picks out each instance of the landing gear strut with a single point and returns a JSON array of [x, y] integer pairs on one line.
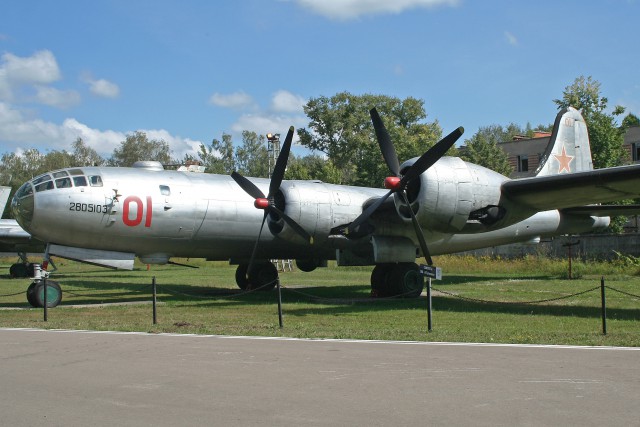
[[263, 276], [396, 279]]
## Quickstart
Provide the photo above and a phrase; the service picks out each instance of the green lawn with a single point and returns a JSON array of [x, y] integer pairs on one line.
[[334, 303]]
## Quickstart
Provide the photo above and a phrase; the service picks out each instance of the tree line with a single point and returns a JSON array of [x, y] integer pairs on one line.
[[341, 136]]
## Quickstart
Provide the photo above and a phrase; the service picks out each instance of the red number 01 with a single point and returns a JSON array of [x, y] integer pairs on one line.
[[126, 209]]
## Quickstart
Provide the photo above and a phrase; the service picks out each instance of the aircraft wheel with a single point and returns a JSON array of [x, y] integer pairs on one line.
[[404, 278], [379, 275], [36, 291], [30, 289], [241, 276], [263, 276]]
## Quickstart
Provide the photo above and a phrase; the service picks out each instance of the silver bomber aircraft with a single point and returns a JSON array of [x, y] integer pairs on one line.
[[430, 205]]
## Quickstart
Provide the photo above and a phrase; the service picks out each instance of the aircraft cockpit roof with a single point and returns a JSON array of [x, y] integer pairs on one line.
[[66, 178]]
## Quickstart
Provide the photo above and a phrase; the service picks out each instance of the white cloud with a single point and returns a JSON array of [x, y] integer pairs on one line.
[[28, 79], [232, 100], [352, 9], [104, 88], [22, 132], [285, 102], [56, 98], [39, 68], [511, 39]]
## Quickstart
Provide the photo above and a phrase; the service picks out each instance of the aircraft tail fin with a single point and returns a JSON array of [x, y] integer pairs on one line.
[[568, 150], [4, 197]]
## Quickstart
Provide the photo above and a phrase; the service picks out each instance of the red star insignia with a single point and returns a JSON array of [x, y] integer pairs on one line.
[[564, 161]]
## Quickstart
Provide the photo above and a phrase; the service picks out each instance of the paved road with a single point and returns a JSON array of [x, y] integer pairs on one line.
[[64, 378]]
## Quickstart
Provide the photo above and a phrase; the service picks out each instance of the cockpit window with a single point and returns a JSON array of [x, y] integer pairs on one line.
[[79, 181], [95, 181], [76, 172], [25, 190], [41, 178], [165, 190], [63, 182], [44, 186], [60, 174]]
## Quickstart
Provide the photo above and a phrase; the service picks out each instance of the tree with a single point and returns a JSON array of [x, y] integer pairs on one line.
[[84, 155], [605, 135], [218, 157], [483, 149], [312, 166], [138, 147], [629, 121], [341, 128], [251, 157]]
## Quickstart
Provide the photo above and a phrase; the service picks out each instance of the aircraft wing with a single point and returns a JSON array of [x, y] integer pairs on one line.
[[12, 233], [604, 210], [576, 189]]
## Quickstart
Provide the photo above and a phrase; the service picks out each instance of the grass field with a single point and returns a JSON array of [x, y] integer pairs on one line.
[[334, 302]]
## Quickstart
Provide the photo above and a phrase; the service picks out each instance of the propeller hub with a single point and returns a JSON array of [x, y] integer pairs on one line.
[[392, 183], [261, 203]]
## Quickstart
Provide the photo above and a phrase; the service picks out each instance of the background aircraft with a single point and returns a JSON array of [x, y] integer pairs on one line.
[[13, 239], [431, 205]]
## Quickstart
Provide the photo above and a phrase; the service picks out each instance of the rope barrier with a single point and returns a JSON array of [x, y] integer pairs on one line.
[[622, 292], [517, 302]]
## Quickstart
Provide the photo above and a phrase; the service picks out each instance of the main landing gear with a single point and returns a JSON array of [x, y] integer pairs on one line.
[[396, 279], [263, 276]]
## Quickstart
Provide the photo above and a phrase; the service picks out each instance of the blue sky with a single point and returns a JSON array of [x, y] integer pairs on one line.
[[188, 71]]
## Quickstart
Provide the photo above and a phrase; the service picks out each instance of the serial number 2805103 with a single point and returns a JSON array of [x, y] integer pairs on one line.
[[88, 207]]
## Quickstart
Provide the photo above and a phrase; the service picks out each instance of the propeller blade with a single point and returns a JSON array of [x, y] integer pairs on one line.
[[366, 214], [248, 186], [296, 227], [281, 164], [418, 230], [384, 141], [431, 156], [255, 245]]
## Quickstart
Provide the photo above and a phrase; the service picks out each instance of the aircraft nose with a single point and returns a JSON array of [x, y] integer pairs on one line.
[[22, 205]]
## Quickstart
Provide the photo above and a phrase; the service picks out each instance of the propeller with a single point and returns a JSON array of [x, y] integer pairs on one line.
[[267, 203], [398, 183]]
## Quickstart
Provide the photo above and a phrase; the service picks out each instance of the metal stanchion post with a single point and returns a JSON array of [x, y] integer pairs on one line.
[[429, 304], [46, 303], [155, 311], [279, 304], [604, 306]]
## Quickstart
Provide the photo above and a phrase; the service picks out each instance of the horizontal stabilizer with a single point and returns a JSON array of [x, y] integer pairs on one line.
[[111, 259], [576, 189]]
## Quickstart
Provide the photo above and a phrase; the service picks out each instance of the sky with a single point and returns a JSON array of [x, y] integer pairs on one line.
[[188, 71]]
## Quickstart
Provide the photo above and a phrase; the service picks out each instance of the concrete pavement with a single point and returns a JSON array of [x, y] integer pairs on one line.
[[86, 378]]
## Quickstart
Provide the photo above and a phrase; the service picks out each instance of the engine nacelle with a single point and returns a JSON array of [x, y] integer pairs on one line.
[[453, 194], [317, 207]]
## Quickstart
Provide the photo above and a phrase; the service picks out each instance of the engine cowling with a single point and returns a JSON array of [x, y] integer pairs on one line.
[[452, 194], [317, 207]]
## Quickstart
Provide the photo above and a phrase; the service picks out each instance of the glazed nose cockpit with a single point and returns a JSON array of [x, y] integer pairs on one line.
[[22, 205], [23, 202]]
